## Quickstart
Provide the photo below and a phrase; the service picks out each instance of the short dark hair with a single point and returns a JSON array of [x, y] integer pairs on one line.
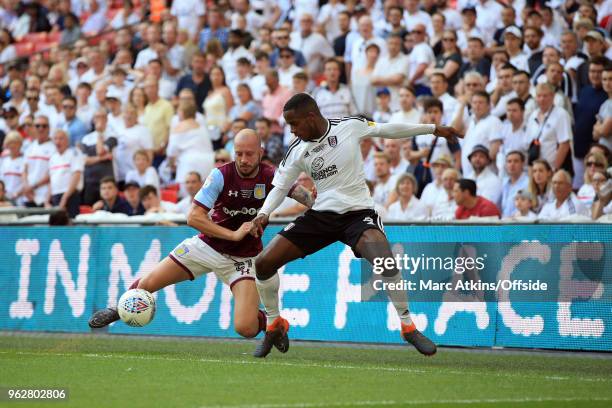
[[108, 179], [517, 101], [520, 154], [467, 185], [301, 102], [441, 75], [243, 61], [482, 94], [264, 120], [70, 98], [521, 72], [508, 65], [195, 173], [334, 60], [59, 218], [287, 50], [429, 103], [146, 190]]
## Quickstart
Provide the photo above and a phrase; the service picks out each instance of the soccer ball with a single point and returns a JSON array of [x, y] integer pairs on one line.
[[136, 307]]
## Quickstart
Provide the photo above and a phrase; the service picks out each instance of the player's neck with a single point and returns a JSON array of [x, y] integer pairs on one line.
[[251, 175], [322, 126]]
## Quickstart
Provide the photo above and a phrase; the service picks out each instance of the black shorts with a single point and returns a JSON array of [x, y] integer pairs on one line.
[[317, 229]]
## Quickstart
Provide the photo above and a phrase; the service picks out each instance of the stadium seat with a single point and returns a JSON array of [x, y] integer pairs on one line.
[[44, 46], [169, 195], [85, 209], [35, 37], [174, 187], [55, 36], [24, 49]]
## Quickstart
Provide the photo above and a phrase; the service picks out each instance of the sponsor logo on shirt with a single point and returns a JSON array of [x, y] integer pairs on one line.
[[243, 210], [319, 148], [246, 193], [318, 164], [232, 193], [325, 173]]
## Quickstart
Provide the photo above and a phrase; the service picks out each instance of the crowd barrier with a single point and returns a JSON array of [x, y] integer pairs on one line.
[[53, 278]]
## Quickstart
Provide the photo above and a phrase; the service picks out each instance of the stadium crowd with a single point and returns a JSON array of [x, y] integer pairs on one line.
[[135, 104]]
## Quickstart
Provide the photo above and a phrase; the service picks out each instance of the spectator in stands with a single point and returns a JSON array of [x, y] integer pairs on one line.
[[590, 99], [602, 130], [154, 47], [533, 47], [439, 90], [198, 80], [382, 114], [17, 92], [190, 147], [85, 110], [435, 190], [515, 181], [7, 49], [193, 184], [96, 20], [482, 129], [393, 149], [132, 196], [37, 164], [407, 207], [274, 100], [126, 16], [132, 138], [468, 29], [215, 29], [361, 88], [449, 61], [313, 45], [280, 40], [551, 126], [445, 206], [344, 24], [595, 48], [235, 51], [565, 202], [603, 194], [391, 69], [513, 37], [110, 199], [540, 183], [503, 91], [523, 202], [419, 59], [99, 147], [66, 167], [75, 128], [72, 30], [513, 134], [142, 173], [334, 99], [219, 100], [157, 117], [12, 167], [152, 203], [245, 108], [593, 163], [386, 182], [4, 200], [522, 89], [487, 181], [407, 112], [272, 143], [471, 205], [477, 59]]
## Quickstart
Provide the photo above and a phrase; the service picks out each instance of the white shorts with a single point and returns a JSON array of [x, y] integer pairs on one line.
[[197, 258]]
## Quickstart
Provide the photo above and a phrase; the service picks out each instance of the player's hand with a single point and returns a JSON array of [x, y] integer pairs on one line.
[[449, 133], [259, 223], [242, 232]]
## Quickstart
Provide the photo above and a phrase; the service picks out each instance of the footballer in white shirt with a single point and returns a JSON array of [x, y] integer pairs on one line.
[[328, 150]]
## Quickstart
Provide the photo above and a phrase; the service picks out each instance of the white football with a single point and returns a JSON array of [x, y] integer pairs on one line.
[[136, 307]]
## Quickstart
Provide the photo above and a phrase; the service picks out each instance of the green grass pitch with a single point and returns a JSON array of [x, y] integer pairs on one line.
[[126, 371]]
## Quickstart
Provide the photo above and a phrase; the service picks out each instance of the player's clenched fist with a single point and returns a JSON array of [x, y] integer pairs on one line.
[[242, 232], [259, 223]]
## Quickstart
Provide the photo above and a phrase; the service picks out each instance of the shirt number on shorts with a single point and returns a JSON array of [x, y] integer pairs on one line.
[[244, 267]]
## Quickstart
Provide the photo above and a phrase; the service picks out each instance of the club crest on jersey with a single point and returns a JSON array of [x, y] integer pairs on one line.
[[259, 192], [333, 141]]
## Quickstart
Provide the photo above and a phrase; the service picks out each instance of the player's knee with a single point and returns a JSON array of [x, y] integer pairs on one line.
[[264, 269], [247, 329]]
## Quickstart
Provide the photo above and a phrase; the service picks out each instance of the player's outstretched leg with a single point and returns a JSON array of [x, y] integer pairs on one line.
[[278, 253], [166, 273], [373, 244], [248, 319]]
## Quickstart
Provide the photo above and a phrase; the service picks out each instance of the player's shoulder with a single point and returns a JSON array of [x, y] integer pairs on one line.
[[347, 123], [267, 170], [226, 170], [293, 150]]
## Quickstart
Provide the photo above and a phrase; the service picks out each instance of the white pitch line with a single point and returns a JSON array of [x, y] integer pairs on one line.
[[302, 365], [410, 402]]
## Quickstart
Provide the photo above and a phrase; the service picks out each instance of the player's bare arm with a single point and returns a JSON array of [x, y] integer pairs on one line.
[[198, 219], [303, 195]]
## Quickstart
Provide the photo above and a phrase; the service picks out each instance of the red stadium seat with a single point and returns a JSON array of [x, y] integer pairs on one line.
[[44, 46], [85, 209], [169, 195], [35, 37], [174, 187], [24, 49], [54, 37]]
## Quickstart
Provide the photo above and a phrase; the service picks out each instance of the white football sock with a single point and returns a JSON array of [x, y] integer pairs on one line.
[[268, 293], [399, 298]]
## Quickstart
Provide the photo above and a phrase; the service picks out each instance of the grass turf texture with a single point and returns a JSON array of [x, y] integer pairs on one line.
[[117, 371]]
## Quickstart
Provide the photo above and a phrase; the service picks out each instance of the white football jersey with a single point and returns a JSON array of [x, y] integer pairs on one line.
[[334, 162]]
